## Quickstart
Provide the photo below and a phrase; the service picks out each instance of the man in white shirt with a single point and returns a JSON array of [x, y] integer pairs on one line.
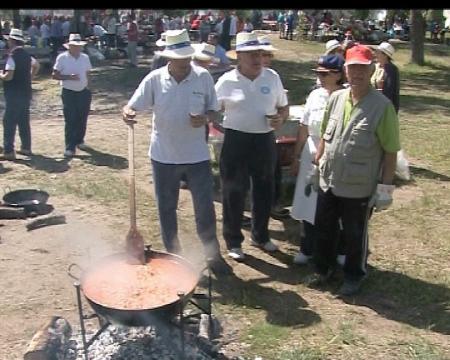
[[72, 69], [182, 98], [254, 104]]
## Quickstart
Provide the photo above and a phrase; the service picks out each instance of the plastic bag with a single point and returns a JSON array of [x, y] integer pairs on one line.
[[402, 170]]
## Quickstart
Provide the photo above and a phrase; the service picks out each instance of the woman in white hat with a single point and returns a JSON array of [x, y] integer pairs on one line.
[[386, 77]]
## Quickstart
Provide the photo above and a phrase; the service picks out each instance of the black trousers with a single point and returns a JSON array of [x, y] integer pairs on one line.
[[354, 214], [76, 106], [247, 156], [17, 114]]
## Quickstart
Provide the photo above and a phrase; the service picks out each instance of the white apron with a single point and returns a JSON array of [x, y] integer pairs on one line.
[[304, 207]]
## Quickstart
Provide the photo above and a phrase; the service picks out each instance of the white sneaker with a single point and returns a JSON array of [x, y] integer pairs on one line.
[[301, 259], [69, 153], [268, 246], [236, 254], [340, 259]]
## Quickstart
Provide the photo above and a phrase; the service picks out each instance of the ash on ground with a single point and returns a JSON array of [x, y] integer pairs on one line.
[[144, 343]]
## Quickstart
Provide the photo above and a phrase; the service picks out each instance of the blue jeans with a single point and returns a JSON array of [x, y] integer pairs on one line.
[[17, 114], [76, 107], [199, 179]]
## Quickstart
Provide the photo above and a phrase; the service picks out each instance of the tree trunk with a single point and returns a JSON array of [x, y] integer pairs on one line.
[[417, 37]]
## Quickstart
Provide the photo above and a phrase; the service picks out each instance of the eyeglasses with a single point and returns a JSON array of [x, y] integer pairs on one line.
[[269, 55]]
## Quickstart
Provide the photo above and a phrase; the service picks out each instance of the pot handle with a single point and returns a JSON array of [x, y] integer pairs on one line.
[[70, 272]]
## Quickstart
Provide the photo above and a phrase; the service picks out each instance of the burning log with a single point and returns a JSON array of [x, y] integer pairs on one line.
[[50, 340]]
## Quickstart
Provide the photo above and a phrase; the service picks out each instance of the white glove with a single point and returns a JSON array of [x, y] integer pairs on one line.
[[382, 198], [313, 178]]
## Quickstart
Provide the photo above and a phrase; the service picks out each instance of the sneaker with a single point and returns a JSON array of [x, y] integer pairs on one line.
[[219, 266], [236, 254], [246, 221], [83, 146], [268, 246], [301, 259], [279, 213], [340, 259], [9, 156], [25, 152], [349, 287], [318, 280], [69, 153]]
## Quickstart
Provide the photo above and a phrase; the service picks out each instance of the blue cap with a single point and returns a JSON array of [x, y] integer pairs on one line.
[[330, 62]]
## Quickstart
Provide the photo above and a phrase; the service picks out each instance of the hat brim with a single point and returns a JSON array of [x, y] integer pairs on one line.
[[250, 48], [268, 48], [358, 62], [160, 43], [182, 53], [13, 37], [324, 69], [327, 52], [385, 52], [78, 43]]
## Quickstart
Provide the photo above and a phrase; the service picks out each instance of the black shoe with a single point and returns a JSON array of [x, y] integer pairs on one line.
[[349, 287], [219, 266], [318, 280]]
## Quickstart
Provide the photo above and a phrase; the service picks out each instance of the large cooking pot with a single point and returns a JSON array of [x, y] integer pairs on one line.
[[25, 197], [33, 201], [138, 295]]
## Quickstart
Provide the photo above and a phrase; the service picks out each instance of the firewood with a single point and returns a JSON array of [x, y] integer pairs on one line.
[[46, 221], [49, 342]]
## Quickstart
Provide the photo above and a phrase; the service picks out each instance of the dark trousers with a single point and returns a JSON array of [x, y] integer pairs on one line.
[[277, 182], [17, 114], [355, 216], [307, 242], [76, 106], [244, 156]]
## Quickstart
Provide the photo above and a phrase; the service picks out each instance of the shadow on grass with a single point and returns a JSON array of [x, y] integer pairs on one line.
[[283, 308], [428, 174], [404, 299], [99, 158], [417, 104], [45, 163]]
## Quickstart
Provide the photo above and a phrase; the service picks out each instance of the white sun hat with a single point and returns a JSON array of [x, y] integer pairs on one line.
[[386, 48], [178, 45], [266, 44], [74, 39], [247, 41], [204, 51], [331, 45], [15, 34]]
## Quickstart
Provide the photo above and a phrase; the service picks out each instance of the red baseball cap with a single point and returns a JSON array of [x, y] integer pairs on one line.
[[358, 54]]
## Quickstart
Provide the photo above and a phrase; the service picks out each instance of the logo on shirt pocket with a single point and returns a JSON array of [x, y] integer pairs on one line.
[[265, 89]]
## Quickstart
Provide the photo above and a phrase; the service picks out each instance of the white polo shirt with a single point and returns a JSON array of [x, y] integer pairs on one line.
[[66, 64], [173, 139], [247, 102]]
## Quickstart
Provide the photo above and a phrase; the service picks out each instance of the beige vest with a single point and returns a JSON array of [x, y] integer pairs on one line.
[[352, 158]]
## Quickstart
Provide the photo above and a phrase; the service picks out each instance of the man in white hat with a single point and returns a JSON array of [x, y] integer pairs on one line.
[[333, 47], [254, 104], [72, 69], [183, 99], [19, 70]]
